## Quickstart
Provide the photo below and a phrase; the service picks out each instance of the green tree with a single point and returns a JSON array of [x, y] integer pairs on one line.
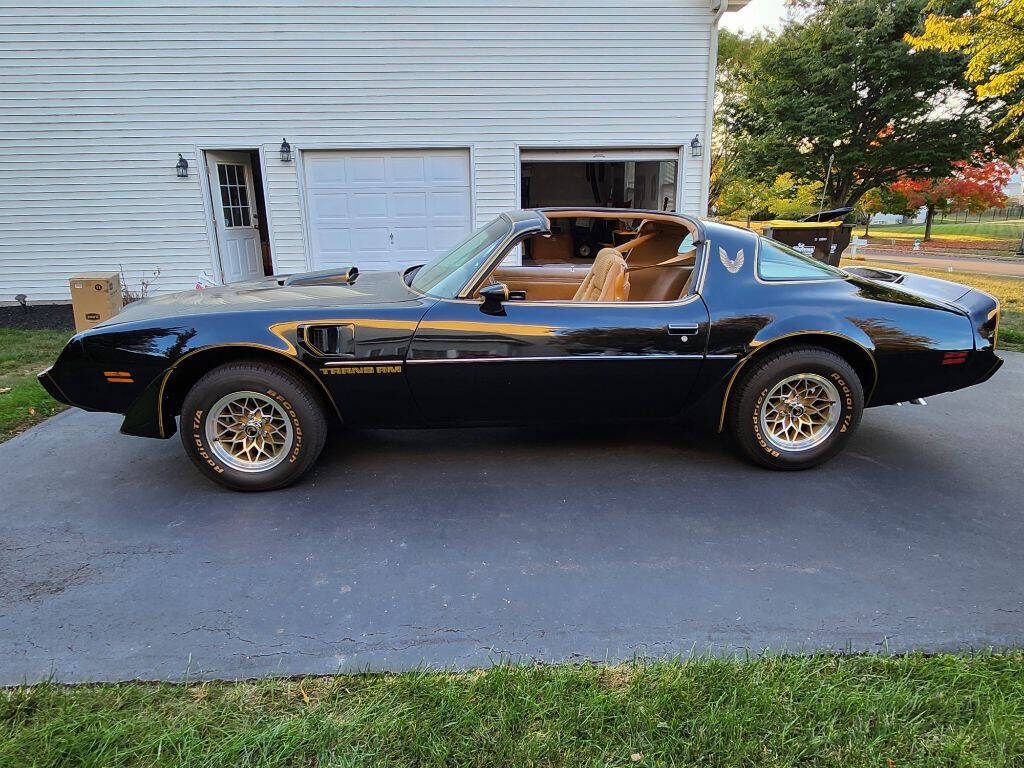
[[991, 34], [735, 55], [843, 83], [881, 200], [781, 198]]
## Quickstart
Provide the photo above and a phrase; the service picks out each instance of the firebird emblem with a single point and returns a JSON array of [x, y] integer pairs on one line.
[[733, 265]]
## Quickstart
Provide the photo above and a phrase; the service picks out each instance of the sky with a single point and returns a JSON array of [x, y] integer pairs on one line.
[[757, 15]]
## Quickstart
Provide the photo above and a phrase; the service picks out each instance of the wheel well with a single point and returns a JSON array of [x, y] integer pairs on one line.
[[853, 353], [192, 367]]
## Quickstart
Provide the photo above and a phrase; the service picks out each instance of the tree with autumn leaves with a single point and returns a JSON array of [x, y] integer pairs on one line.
[[970, 188], [852, 91], [990, 33]]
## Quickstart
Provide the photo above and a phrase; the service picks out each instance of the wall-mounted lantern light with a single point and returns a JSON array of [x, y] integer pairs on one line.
[[182, 167], [696, 148], [286, 151]]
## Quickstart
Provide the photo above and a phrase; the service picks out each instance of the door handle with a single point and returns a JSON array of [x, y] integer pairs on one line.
[[682, 330]]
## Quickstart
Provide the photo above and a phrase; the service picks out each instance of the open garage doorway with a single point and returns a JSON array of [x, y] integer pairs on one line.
[[634, 178], [642, 179]]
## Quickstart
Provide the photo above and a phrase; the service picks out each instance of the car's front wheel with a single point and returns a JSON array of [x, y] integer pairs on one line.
[[252, 426], [795, 409]]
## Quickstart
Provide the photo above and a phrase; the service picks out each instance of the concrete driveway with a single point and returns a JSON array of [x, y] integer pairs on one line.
[[464, 547]]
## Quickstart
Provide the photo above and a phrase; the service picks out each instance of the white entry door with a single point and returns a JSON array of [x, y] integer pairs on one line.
[[234, 211], [386, 209]]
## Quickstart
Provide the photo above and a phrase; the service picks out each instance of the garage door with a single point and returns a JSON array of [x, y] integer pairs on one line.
[[386, 210]]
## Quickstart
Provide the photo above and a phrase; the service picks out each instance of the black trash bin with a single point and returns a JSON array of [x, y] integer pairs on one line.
[[824, 240], [821, 235]]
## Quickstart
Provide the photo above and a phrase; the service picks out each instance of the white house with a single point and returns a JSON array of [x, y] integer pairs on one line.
[[409, 123]]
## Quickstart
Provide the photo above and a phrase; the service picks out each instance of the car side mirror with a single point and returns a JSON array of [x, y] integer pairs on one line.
[[494, 296]]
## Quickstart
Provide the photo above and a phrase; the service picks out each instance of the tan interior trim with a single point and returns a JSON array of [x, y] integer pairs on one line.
[[645, 215], [630, 244], [675, 260]]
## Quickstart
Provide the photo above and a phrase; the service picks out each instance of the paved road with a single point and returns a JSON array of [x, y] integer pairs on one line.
[[459, 548], [1003, 267]]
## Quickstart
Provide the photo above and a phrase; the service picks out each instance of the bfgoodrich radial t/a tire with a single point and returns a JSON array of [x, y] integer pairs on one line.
[[252, 426], [795, 409]]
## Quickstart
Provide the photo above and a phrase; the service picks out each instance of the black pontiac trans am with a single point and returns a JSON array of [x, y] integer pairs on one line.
[[520, 323]]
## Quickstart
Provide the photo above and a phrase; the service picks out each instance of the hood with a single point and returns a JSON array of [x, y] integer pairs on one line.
[[272, 293]]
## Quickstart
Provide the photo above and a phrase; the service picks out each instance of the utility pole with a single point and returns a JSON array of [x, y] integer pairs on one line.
[[828, 175]]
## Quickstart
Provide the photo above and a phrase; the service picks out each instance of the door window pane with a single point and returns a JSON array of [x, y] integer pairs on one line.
[[234, 196]]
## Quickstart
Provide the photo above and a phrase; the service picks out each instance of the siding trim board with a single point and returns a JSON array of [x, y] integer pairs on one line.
[[96, 103]]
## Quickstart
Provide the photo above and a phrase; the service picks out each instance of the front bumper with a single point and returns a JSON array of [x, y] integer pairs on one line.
[[52, 388]]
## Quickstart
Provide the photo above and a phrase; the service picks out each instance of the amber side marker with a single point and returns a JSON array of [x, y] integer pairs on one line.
[[119, 377]]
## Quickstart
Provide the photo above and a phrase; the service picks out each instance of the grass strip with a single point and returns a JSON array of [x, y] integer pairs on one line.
[[23, 402], [819, 710]]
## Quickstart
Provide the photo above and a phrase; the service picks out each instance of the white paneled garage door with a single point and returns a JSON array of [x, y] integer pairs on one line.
[[386, 210]]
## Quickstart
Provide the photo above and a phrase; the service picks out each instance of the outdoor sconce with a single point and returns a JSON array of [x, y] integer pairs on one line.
[[696, 148], [182, 167], [286, 151]]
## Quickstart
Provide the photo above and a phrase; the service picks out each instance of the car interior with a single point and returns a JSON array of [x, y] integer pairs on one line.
[[587, 258]]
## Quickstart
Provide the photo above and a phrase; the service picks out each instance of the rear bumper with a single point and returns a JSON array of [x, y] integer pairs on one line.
[[991, 371]]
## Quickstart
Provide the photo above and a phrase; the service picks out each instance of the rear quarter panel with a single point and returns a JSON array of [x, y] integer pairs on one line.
[[906, 336]]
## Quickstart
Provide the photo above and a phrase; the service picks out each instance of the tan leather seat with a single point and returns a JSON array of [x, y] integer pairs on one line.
[[652, 281], [607, 279]]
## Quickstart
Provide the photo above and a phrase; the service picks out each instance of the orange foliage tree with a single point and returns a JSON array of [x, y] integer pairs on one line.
[[971, 188]]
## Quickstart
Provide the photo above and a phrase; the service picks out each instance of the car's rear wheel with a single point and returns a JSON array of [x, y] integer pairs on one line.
[[795, 409], [252, 426]]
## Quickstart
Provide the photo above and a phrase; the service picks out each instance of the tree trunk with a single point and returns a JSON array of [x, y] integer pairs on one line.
[[867, 225], [928, 223]]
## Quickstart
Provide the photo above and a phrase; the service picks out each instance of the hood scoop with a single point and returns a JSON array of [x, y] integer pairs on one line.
[[345, 276]]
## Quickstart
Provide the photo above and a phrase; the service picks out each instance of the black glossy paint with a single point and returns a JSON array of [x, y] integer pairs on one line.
[[410, 359]]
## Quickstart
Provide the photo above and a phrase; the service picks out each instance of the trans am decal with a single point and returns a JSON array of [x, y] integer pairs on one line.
[[361, 369], [733, 265]]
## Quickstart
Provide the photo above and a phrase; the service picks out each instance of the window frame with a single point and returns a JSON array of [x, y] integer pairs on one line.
[[515, 238], [226, 186], [826, 277]]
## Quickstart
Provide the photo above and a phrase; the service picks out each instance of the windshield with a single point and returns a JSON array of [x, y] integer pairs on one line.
[[445, 276]]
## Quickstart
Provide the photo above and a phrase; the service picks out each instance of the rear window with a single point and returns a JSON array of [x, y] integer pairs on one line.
[[780, 262]]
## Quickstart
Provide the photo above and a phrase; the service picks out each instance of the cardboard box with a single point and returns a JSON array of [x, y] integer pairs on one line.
[[95, 298]]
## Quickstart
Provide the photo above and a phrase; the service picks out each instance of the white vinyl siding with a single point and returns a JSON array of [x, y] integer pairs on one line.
[[96, 102]]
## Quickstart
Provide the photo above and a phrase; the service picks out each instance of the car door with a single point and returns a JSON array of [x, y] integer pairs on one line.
[[547, 361]]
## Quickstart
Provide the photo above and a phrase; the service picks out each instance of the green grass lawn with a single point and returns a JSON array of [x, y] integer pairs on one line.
[[1009, 291], [22, 355], [842, 711], [987, 230]]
